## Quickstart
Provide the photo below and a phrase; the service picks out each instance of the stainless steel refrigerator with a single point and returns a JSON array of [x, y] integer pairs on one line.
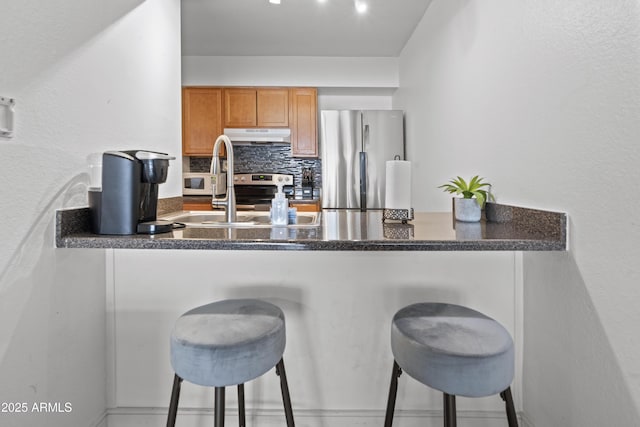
[[355, 146]]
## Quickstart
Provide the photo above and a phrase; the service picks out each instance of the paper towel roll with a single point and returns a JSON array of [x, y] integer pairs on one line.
[[398, 185]]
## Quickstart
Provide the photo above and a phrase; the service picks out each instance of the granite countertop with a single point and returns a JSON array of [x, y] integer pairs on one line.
[[507, 228]]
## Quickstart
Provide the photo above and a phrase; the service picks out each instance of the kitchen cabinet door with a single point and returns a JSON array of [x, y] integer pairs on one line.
[[240, 108], [303, 110], [273, 107], [201, 120]]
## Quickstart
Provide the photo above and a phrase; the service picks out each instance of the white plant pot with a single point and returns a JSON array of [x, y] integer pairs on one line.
[[467, 210]]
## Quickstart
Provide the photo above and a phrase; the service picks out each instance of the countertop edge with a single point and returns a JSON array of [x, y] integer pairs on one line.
[[91, 242], [72, 231]]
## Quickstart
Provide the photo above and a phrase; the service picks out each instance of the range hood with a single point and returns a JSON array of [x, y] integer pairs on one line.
[[259, 135]]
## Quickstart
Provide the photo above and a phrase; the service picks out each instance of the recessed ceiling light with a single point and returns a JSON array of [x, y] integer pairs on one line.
[[274, 1], [361, 6]]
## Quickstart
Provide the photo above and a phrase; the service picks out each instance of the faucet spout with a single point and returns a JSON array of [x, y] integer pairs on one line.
[[229, 200]]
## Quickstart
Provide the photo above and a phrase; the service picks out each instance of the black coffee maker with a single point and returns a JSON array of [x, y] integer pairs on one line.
[[128, 200]]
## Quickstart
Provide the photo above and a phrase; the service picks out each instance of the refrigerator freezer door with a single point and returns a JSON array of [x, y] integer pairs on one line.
[[340, 144], [383, 140]]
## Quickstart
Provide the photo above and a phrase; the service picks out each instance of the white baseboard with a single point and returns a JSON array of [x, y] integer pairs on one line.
[[141, 417], [525, 422], [100, 421]]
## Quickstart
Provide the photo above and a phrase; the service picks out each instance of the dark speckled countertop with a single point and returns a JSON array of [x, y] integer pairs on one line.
[[507, 228]]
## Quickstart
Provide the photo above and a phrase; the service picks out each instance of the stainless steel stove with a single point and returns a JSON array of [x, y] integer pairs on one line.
[[256, 190]]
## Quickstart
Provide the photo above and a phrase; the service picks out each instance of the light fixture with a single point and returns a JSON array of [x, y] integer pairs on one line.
[[361, 6]]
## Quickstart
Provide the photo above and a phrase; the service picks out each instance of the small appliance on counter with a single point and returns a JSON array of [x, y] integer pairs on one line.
[[128, 200]]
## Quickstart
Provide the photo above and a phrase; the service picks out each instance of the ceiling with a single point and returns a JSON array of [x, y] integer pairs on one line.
[[298, 27]]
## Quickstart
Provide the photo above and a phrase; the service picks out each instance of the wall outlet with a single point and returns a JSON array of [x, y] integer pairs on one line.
[[6, 116]]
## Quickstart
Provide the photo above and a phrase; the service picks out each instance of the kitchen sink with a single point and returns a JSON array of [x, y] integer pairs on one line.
[[243, 219]]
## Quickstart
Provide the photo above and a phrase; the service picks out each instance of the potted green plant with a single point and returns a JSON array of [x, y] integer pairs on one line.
[[468, 208]]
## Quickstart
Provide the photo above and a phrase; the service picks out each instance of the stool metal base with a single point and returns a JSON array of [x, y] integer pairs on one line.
[[218, 407], [242, 422], [220, 401], [449, 403], [284, 388], [393, 391], [449, 410], [175, 396], [508, 403]]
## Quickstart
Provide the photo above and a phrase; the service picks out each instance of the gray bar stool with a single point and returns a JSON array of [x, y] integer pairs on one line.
[[228, 343], [453, 349]]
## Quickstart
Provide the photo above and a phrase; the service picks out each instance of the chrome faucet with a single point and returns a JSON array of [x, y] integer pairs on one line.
[[229, 200]]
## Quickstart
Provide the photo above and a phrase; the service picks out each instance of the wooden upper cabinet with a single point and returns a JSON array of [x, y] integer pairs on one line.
[[273, 107], [240, 108], [201, 120], [206, 111], [256, 107], [303, 111]]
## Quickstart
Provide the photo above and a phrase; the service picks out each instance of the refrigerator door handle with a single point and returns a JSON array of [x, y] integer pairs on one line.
[[364, 134], [363, 181]]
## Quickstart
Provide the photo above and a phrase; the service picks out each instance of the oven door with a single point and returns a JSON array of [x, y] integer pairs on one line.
[[258, 197]]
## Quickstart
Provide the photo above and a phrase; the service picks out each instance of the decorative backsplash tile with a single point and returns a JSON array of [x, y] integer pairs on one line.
[[270, 159]]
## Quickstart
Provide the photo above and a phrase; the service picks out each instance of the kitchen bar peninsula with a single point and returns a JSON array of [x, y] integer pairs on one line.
[[507, 228], [339, 284]]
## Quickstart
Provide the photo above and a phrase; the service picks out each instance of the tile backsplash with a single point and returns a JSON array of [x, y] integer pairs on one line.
[[269, 159]]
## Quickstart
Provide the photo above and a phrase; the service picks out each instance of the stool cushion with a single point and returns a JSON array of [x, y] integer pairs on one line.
[[453, 349], [227, 342]]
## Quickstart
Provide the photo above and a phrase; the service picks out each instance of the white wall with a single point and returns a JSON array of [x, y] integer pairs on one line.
[[342, 82], [542, 98], [354, 99], [378, 72], [87, 75]]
